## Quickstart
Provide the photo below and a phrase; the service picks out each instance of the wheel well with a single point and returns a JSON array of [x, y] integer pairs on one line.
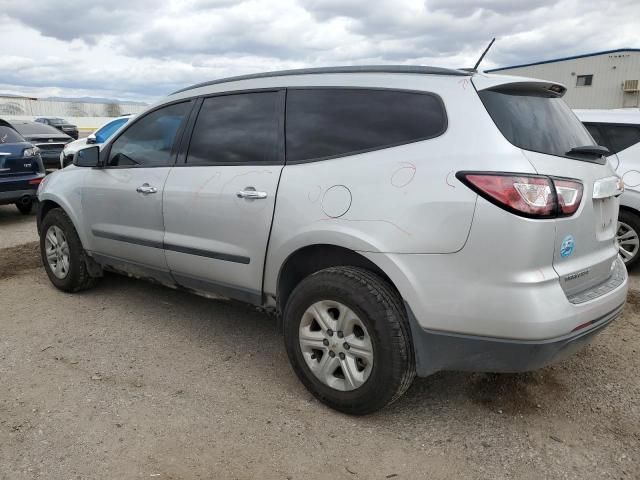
[[44, 208], [630, 210], [307, 260]]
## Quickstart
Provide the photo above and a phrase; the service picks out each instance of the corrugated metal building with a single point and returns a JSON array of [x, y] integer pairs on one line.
[[83, 114], [609, 79]]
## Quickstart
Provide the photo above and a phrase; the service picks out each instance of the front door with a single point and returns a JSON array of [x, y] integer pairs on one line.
[[219, 204], [122, 202]]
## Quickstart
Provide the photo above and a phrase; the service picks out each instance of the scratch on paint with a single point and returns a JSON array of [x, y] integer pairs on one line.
[[464, 82], [342, 219], [404, 175], [449, 180]]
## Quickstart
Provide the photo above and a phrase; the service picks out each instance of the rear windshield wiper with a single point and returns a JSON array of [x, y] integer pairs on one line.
[[590, 149]]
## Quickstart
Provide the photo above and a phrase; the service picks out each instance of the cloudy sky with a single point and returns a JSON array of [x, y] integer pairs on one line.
[[144, 49]]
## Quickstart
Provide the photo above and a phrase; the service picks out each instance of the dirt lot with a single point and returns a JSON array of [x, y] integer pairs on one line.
[[132, 380]]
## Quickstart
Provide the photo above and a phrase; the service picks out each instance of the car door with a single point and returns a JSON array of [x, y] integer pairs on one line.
[[218, 204], [122, 202]]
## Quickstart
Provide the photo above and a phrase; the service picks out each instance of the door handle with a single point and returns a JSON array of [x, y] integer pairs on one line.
[[250, 193], [146, 189]]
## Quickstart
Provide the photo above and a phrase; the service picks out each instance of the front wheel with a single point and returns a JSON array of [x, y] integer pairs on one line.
[[348, 340], [628, 237], [63, 256]]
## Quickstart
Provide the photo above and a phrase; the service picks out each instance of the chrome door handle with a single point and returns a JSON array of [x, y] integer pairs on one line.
[[146, 189], [250, 193]]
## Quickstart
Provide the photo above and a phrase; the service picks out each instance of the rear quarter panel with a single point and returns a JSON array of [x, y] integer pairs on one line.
[[404, 199]]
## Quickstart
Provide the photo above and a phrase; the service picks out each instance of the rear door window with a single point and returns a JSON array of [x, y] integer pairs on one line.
[[595, 132], [535, 120], [331, 122], [621, 137], [238, 129]]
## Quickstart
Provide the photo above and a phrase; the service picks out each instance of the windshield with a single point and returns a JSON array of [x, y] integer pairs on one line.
[[536, 121], [9, 135], [103, 134]]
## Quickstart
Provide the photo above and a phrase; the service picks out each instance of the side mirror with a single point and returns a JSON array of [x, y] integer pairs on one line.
[[87, 157], [91, 139]]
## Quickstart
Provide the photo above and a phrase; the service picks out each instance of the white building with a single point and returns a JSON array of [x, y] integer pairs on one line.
[[609, 79]]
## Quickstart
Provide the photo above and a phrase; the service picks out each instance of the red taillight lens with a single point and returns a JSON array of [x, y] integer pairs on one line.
[[35, 181], [569, 196], [532, 196]]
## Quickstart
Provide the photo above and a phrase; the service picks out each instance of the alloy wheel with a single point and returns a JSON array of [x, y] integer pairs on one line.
[[57, 252]]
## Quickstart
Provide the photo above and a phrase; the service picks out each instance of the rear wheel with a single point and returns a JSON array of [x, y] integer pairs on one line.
[[628, 237], [25, 208], [63, 256], [348, 340]]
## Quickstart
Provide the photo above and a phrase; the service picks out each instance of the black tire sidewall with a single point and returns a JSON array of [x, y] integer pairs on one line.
[[25, 209], [76, 252], [633, 220], [380, 387]]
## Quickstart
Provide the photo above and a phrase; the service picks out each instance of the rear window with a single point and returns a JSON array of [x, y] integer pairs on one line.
[[36, 129], [331, 122], [536, 121], [9, 135], [621, 137]]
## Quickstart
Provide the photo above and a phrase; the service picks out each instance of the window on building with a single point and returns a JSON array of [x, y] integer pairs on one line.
[[332, 122], [584, 80]]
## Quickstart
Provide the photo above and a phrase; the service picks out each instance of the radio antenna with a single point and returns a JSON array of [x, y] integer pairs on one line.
[[475, 67]]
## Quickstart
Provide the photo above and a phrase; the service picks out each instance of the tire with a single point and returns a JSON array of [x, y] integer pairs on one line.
[[382, 318], [629, 228], [25, 208], [76, 275]]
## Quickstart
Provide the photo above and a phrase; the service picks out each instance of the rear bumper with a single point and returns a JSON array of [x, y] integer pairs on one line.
[[14, 196], [436, 351]]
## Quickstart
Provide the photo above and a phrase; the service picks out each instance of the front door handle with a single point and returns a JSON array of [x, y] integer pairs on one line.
[[250, 193], [146, 189]]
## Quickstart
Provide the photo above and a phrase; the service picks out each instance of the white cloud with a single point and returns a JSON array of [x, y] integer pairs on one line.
[[142, 49]]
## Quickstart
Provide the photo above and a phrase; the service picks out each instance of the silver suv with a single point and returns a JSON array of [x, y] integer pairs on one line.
[[401, 220]]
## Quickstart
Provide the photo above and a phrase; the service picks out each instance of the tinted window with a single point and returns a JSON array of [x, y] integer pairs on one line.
[[535, 121], [149, 141], [237, 129], [621, 136], [9, 135], [341, 121], [597, 136], [103, 134]]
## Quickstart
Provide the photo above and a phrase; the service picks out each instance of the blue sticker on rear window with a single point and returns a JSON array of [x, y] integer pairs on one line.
[[567, 245]]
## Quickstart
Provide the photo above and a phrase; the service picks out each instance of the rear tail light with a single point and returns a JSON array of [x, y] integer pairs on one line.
[[35, 181], [531, 196]]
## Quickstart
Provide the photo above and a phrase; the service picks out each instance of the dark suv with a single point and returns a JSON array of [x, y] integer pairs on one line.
[[21, 169], [61, 124]]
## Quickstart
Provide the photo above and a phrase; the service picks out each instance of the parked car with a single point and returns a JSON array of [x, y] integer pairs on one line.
[[21, 169], [619, 131], [98, 137], [49, 140], [401, 220], [60, 124]]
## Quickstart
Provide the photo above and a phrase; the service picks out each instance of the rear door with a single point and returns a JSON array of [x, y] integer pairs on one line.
[[218, 204], [535, 118], [122, 202]]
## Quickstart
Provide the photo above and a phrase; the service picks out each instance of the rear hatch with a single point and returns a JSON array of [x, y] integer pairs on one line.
[[533, 117]]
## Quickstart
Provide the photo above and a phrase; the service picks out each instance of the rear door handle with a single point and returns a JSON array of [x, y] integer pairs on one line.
[[146, 189], [250, 193]]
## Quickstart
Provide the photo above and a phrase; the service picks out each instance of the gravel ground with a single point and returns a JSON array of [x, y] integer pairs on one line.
[[133, 380]]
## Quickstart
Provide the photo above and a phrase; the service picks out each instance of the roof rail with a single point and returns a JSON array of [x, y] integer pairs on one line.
[[348, 69]]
